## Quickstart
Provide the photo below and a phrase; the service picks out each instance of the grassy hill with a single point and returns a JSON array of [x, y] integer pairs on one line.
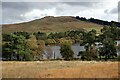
[[51, 24]]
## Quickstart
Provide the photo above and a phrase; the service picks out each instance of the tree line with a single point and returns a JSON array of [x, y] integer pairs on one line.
[[97, 21], [24, 46]]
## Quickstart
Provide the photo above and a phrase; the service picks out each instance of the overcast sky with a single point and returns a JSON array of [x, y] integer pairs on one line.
[[26, 10]]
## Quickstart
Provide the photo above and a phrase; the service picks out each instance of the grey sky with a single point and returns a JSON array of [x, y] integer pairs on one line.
[[15, 12]]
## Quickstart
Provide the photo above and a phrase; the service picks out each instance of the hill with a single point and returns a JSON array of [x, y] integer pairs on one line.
[[51, 24]]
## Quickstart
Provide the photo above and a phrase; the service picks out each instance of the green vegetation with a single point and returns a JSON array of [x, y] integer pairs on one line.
[[15, 47], [107, 39], [89, 43], [37, 47], [66, 50], [25, 45]]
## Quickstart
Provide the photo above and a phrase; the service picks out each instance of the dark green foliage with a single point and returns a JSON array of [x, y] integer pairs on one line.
[[50, 36], [90, 37], [108, 50], [56, 35], [89, 40], [118, 33], [40, 35], [97, 21], [91, 53], [25, 34], [108, 40], [66, 52], [83, 55], [7, 51], [81, 18], [7, 37], [15, 48], [118, 58], [14, 44], [28, 57], [75, 35]]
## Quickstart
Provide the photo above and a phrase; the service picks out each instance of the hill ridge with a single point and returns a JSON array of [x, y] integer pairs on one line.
[[51, 24]]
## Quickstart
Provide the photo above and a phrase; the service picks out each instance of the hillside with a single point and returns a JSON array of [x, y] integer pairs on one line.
[[51, 24]]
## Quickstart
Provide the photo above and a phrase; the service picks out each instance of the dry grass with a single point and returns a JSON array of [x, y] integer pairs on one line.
[[52, 24], [60, 69], [0, 69]]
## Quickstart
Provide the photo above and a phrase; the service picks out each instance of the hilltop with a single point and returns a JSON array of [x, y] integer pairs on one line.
[[52, 24]]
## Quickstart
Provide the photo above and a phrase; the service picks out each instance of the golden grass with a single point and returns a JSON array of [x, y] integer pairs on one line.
[[59, 69], [52, 24], [0, 69]]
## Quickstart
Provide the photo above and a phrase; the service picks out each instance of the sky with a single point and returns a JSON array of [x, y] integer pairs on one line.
[[17, 11]]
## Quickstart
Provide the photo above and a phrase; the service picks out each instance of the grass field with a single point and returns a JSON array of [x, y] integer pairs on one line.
[[59, 69]]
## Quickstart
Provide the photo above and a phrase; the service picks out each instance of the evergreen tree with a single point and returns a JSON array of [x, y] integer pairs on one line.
[[66, 51]]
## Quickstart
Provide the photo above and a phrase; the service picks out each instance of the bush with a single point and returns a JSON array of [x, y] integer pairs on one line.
[[118, 58], [28, 57], [66, 51]]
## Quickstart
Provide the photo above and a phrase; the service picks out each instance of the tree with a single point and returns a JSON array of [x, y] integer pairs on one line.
[[66, 51], [108, 41], [41, 48], [89, 43], [15, 48], [110, 32], [40, 36], [82, 54], [108, 50], [64, 41], [25, 34], [118, 47], [7, 51], [50, 42], [91, 54], [50, 36], [21, 49], [37, 47]]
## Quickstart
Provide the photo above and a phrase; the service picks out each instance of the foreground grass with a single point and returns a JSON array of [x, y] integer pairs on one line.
[[59, 69]]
